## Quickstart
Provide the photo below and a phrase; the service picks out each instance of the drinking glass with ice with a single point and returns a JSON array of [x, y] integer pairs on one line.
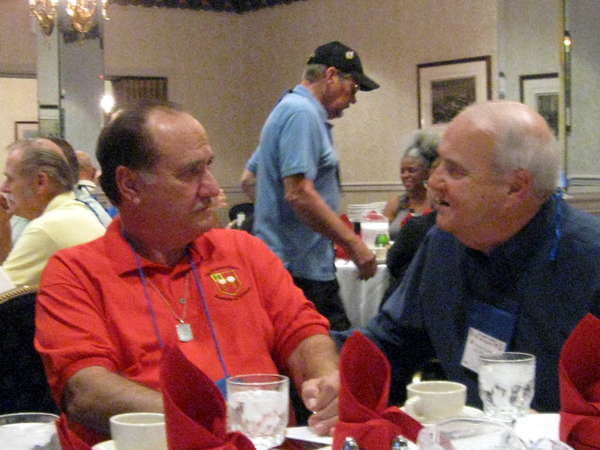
[[507, 385], [258, 406], [29, 431]]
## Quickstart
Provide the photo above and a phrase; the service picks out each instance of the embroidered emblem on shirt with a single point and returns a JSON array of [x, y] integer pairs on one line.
[[227, 282]]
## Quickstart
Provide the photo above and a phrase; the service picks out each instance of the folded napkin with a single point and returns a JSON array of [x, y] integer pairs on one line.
[[68, 439], [364, 414], [195, 410], [579, 372]]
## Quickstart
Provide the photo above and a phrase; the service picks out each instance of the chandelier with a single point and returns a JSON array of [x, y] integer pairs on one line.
[[82, 13], [45, 12]]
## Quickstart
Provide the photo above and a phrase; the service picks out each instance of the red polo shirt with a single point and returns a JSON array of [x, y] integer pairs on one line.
[[92, 309]]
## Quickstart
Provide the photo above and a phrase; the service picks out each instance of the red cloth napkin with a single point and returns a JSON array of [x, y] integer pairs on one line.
[[68, 439], [365, 376], [579, 371], [195, 410]]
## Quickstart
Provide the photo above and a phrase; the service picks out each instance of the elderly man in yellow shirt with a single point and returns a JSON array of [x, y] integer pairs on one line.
[[39, 187]]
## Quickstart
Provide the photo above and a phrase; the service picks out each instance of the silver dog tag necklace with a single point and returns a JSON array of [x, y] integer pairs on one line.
[[184, 330]]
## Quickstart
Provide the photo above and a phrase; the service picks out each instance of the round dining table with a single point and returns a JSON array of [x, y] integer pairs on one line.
[[361, 299]]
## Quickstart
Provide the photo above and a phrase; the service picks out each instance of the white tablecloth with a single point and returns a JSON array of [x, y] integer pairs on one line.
[[535, 426], [361, 298]]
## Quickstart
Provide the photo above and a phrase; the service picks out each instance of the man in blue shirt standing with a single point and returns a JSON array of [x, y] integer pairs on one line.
[[298, 192]]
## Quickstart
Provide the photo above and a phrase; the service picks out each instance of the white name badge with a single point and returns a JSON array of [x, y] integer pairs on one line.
[[478, 344]]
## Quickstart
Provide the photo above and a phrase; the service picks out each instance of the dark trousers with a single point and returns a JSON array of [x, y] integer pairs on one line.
[[326, 298]]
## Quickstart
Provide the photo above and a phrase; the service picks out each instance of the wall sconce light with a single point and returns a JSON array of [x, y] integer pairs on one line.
[[45, 12], [107, 103], [82, 13]]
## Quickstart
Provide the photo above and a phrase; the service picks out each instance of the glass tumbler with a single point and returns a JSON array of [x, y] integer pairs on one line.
[[258, 406], [507, 385]]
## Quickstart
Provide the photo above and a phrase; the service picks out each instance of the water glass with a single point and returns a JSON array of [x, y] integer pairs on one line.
[[258, 406], [29, 431], [506, 385], [469, 434]]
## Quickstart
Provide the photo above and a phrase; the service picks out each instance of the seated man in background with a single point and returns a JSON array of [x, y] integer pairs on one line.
[[81, 193], [18, 223], [160, 275], [39, 186], [508, 261], [88, 180]]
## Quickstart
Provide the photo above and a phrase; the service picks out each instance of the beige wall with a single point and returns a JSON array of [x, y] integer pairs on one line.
[[229, 70]]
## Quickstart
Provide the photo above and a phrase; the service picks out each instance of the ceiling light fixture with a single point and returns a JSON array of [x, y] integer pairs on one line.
[[45, 12], [82, 13]]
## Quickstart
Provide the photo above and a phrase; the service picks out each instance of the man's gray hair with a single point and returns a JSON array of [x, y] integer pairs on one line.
[[520, 143], [314, 72], [37, 159]]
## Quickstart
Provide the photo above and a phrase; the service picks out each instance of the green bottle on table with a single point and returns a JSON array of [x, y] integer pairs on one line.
[[381, 240]]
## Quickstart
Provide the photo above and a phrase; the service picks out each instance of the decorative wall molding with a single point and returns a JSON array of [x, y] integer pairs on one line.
[[583, 180], [589, 202], [346, 187]]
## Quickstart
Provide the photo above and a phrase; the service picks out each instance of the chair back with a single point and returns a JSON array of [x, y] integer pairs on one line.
[[23, 383]]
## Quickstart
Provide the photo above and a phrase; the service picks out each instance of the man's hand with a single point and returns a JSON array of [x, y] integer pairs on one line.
[[364, 258], [5, 229], [5, 215], [220, 201], [320, 395]]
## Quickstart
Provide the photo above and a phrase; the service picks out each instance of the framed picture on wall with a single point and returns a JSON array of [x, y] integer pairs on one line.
[[444, 88], [540, 91], [26, 130]]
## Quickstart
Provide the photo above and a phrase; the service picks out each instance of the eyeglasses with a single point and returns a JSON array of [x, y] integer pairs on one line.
[[349, 77]]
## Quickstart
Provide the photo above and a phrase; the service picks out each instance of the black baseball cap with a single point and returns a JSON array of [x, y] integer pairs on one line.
[[345, 60]]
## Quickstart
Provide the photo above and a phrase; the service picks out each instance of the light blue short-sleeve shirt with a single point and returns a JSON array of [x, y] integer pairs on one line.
[[295, 140]]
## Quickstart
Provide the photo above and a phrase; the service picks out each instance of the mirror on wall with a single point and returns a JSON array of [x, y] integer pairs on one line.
[[564, 86], [583, 78]]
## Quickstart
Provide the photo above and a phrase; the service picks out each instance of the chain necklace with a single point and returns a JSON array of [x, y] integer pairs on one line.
[[184, 330], [185, 334]]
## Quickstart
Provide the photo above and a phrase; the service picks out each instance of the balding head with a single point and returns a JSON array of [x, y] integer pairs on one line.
[[521, 139], [43, 155], [499, 164], [87, 171], [36, 171]]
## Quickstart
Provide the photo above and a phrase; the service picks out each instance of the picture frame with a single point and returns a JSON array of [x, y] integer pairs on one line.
[[26, 130], [541, 92], [444, 88]]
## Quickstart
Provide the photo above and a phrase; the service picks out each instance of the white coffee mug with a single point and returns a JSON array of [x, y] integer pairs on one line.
[[139, 431], [430, 401]]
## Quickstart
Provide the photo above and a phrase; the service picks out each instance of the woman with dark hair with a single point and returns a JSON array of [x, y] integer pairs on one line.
[[415, 166]]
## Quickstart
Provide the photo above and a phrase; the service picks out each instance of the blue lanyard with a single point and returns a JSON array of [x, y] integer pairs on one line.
[[206, 310], [557, 224]]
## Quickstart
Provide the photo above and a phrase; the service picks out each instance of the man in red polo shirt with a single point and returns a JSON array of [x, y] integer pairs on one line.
[[161, 275]]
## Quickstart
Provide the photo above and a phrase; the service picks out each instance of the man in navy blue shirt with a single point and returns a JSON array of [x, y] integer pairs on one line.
[[510, 266]]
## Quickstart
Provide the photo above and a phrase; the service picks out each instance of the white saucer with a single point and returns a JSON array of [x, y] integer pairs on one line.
[[535, 426], [106, 445], [467, 411]]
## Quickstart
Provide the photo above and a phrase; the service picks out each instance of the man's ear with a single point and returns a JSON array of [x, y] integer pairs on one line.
[[330, 74], [521, 185], [128, 183], [41, 183]]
